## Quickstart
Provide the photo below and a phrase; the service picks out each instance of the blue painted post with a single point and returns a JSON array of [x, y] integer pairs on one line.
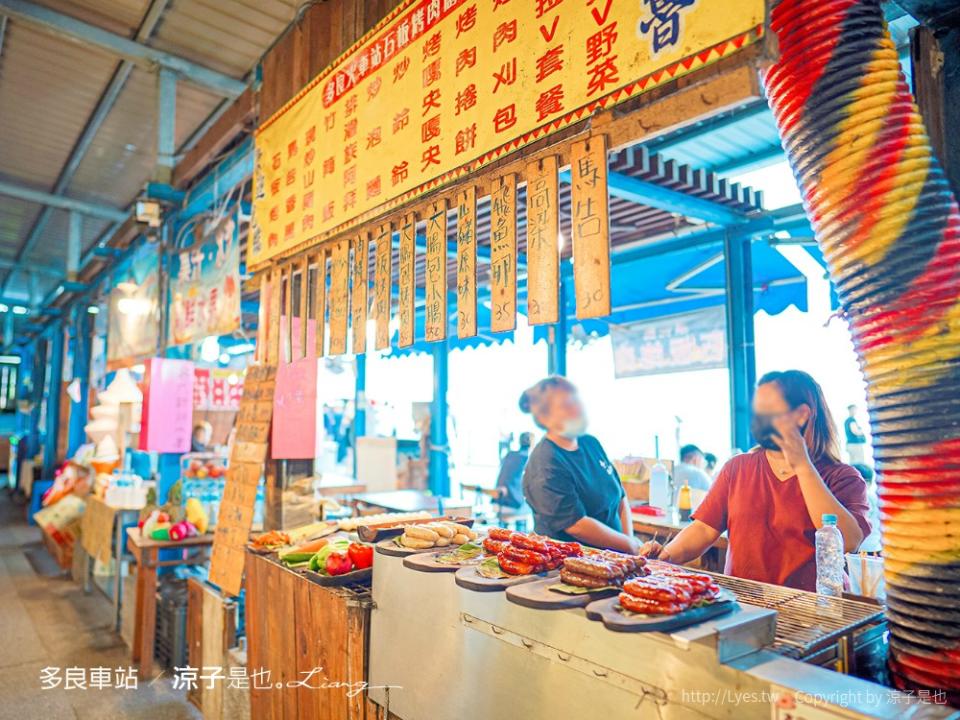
[[53, 402], [74, 241], [557, 346], [81, 339], [741, 361], [359, 406], [438, 475]]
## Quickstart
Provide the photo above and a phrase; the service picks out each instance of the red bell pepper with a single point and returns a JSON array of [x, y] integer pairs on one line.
[[338, 564], [361, 555]]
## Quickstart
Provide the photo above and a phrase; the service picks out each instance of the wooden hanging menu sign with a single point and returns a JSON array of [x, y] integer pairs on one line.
[[407, 279], [287, 342], [276, 310], [543, 249], [361, 265], [382, 285], [320, 300], [435, 311], [590, 220], [503, 254], [339, 294], [250, 449], [304, 297], [467, 263]]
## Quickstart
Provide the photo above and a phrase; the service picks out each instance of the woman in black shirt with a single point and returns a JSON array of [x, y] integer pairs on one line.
[[569, 482]]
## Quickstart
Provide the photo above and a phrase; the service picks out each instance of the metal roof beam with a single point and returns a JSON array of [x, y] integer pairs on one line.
[[644, 192], [61, 202], [136, 52], [698, 130]]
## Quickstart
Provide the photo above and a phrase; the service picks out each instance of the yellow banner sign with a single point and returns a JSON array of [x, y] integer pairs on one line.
[[442, 87]]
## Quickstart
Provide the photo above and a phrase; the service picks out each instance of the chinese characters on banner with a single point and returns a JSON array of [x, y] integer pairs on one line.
[[590, 227], [205, 286], [216, 389], [250, 449], [383, 285], [503, 254], [435, 311], [443, 87], [543, 242], [408, 279], [467, 262]]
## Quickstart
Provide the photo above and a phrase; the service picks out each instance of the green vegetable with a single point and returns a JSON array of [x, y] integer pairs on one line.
[[318, 563], [490, 568], [296, 558]]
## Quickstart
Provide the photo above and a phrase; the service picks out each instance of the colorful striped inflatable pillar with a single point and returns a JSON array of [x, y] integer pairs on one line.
[[889, 228]]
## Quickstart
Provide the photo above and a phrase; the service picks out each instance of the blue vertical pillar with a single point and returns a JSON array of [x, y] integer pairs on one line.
[[359, 406], [81, 337], [557, 338], [53, 401], [741, 361], [438, 474]]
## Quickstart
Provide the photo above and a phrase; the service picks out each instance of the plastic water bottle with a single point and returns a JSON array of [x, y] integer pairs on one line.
[[830, 558], [660, 487]]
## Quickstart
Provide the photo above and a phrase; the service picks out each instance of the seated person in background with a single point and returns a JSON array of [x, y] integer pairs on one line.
[[689, 471], [710, 466], [510, 480], [202, 437]]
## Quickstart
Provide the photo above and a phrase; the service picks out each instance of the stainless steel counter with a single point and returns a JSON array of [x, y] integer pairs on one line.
[[440, 652]]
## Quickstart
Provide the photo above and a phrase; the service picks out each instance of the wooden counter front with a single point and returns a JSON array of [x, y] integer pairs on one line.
[[306, 636]]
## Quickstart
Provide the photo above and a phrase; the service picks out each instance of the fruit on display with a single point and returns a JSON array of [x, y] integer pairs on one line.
[[197, 515]]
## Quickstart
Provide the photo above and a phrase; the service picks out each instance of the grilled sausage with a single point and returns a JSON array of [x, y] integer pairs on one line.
[[584, 581], [657, 590], [525, 556], [493, 546], [530, 542], [592, 567], [648, 607], [512, 567], [501, 534]]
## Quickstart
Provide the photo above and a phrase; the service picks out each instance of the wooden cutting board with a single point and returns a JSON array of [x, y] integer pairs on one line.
[[427, 562], [607, 611], [539, 596], [470, 579]]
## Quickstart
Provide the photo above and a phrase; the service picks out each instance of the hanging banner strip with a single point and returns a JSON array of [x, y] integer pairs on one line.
[[590, 220], [304, 307], [287, 344], [339, 295], [276, 310], [467, 263], [383, 285], [361, 267], [408, 278], [320, 300], [435, 311], [503, 254], [260, 354], [543, 242], [442, 88]]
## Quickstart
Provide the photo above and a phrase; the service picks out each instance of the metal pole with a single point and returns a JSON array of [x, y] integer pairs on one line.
[[740, 350], [557, 347], [438, 477], [74, 241], [166, 124], [53, 402], [359, 406], [81, 339]]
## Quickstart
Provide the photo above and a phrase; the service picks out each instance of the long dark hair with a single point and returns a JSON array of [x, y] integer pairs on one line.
[[799, 388]]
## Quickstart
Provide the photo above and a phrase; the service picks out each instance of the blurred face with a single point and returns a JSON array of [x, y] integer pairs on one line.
[[697, 460], [768, 405], [564, 414]]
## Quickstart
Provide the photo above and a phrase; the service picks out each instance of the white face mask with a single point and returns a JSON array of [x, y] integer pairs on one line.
[[574, 427]]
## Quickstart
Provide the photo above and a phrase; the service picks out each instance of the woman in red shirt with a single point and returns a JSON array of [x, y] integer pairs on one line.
[[771, 500]]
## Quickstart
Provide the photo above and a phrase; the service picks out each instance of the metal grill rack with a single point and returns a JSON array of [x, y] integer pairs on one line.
[[810, 627]]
